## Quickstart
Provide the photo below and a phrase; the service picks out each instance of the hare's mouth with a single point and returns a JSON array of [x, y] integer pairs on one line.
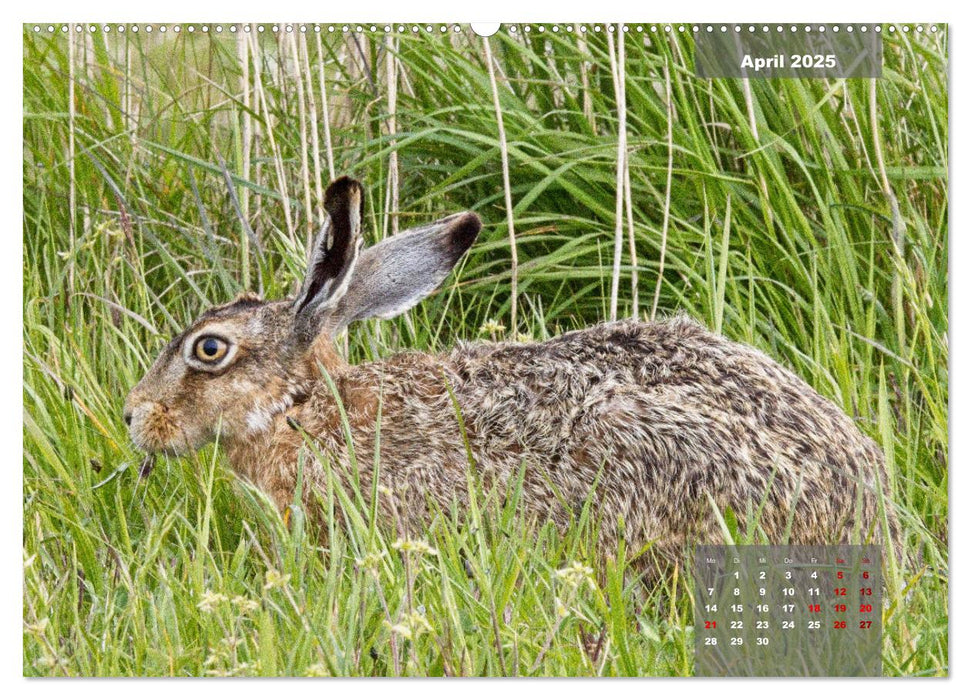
[[153, 431], [170, 447], [169, 450]]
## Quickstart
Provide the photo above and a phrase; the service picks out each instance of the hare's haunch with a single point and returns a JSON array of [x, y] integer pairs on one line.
[[659, 426]]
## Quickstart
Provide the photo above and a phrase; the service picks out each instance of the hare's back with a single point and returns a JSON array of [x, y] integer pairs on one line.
[[669, 381], [661, 356]]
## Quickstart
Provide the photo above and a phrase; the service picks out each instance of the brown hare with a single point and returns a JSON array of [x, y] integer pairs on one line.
[[659, 426]]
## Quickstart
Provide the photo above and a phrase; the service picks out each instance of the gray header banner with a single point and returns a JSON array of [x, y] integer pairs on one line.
[[789, 51]]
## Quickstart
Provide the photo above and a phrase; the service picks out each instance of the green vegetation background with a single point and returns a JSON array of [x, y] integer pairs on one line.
[[167, 171]]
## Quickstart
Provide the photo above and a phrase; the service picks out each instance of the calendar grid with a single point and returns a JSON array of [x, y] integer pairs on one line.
[[788, 610]]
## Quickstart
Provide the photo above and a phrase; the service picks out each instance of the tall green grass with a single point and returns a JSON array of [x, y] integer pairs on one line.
[[163, 173]]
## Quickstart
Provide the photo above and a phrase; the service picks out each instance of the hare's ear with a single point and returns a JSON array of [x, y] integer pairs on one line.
[[333, 258], [394, 275]]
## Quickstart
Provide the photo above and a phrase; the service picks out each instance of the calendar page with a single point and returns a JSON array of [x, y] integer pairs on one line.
[[788, 611], [392, 346]]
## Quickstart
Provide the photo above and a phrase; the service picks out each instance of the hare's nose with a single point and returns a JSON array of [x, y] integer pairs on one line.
[[127, 417]]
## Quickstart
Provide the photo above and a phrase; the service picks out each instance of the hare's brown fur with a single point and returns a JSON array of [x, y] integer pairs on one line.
[[659, 426], [646, 420]]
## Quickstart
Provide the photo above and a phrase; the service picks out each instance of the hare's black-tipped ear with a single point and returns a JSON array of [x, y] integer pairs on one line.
[[394, 275], [333, 257]]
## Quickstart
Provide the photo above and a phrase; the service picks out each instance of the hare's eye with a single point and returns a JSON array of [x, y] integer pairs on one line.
[[209, 348]]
